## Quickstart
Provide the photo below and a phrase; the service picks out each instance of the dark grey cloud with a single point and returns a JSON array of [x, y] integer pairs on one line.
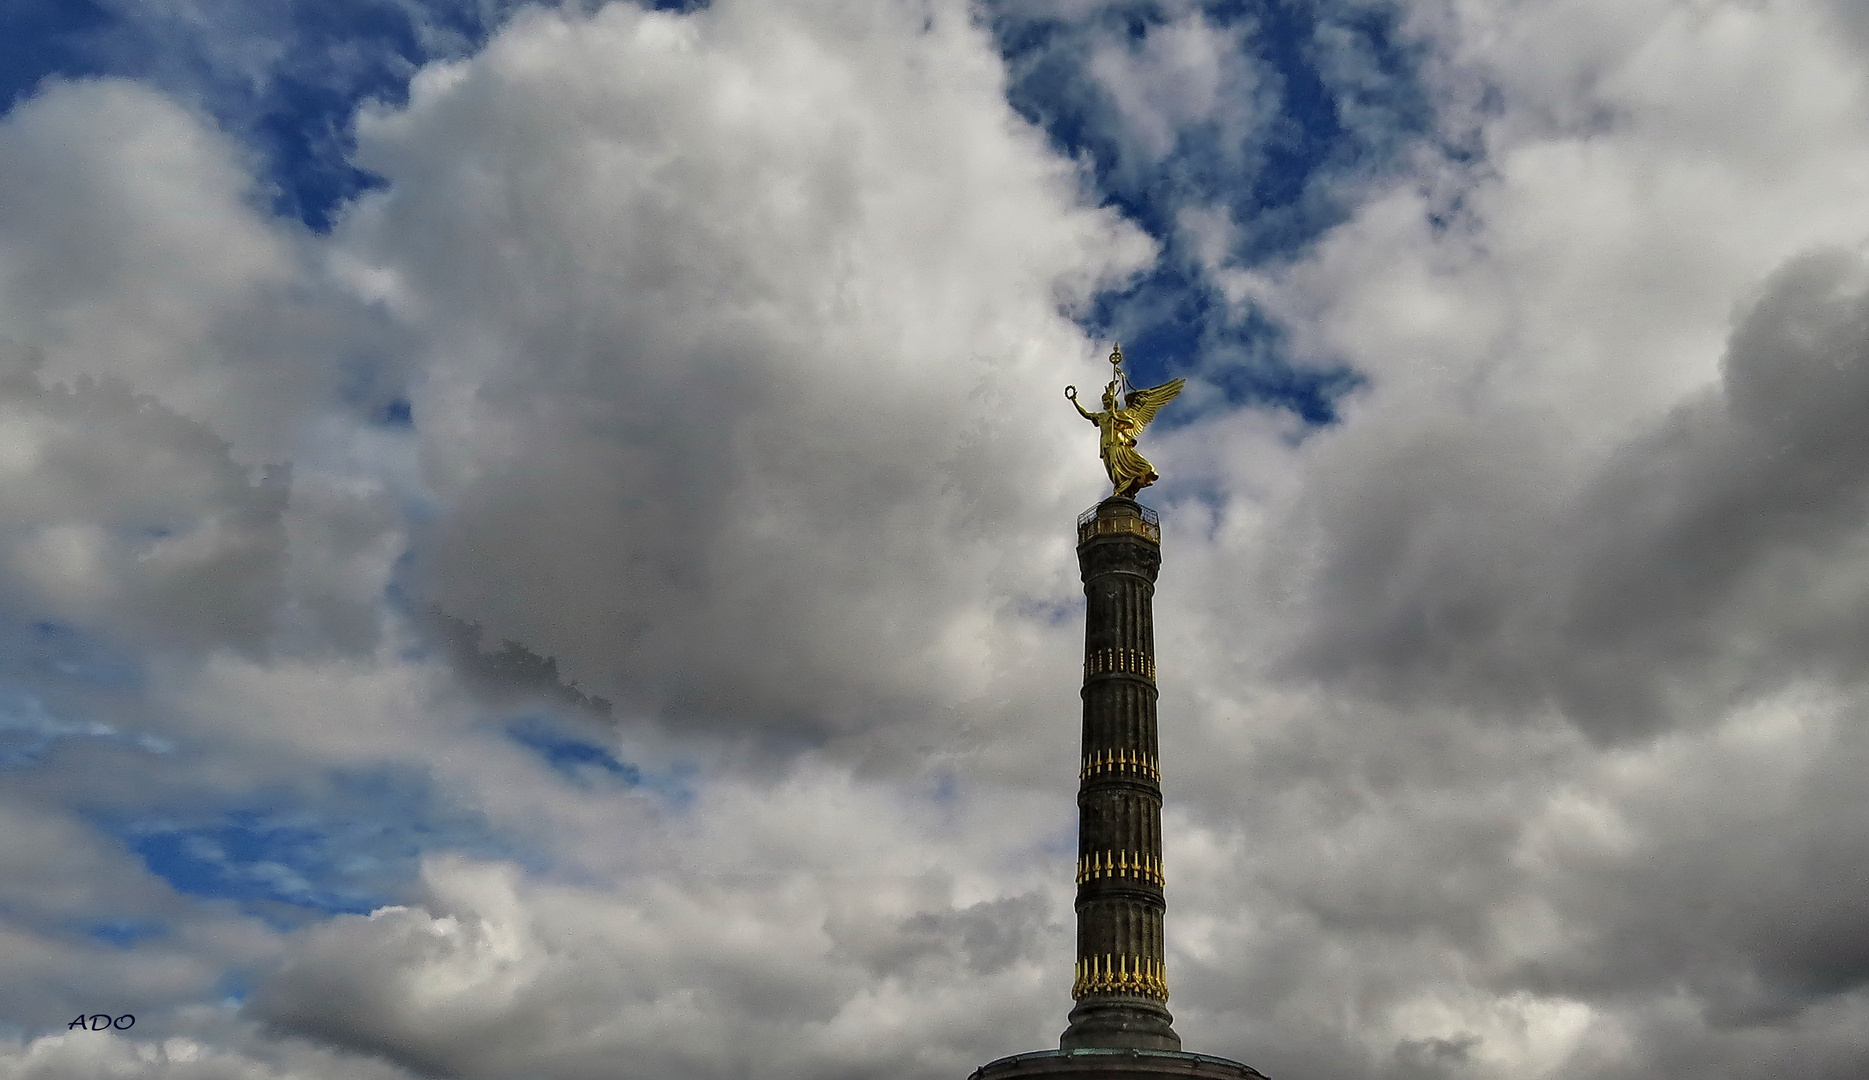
[[510, 673], [1739, 887], [1567, 727], [1693, 566], [986, 937]]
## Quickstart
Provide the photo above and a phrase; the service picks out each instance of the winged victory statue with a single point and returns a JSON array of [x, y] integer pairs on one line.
[[1118, 425]]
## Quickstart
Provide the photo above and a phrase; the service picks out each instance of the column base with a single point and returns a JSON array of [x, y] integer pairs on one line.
[[1125, 1023], [1115, 1065]]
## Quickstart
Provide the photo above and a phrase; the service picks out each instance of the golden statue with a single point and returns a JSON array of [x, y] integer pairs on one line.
[[1129, 471]]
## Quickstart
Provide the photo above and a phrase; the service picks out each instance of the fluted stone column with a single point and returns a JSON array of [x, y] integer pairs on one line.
[[1120, 1029], [1121, 981]]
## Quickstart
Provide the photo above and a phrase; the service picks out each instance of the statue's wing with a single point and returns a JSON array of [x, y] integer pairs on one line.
[[1143, 403]]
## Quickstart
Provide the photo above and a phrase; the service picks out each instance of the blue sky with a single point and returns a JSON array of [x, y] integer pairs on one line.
[[294, 111], [563, 511]]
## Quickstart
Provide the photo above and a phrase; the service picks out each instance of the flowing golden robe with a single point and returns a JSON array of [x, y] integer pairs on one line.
[[1129, 471]]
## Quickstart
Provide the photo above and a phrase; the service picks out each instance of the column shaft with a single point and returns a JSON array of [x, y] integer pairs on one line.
[[1121, 986]]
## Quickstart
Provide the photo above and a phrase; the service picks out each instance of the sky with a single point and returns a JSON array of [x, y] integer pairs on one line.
[[536, 539]]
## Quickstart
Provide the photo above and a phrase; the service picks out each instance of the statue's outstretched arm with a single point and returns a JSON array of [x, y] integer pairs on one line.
[[1071, 393]]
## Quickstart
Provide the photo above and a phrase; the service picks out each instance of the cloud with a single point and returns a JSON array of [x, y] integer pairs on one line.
[[131, 248], [1565, 607], [172, 347], [1703, 560], [124, 513], [814, 966], [719, 432], [109, 1058], [712, 360], [70, 888], [1184, 79]]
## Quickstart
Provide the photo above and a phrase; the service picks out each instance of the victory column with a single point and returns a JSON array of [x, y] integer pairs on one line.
[[1121, 1026]]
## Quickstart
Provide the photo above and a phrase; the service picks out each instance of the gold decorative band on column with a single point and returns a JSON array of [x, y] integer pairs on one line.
[[1121, 975], [1093, 524], [1107, 864], [1128, 661], [1128, 762]]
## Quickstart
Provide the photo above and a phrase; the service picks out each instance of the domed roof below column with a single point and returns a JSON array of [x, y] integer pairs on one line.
[[1102, 1064]]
